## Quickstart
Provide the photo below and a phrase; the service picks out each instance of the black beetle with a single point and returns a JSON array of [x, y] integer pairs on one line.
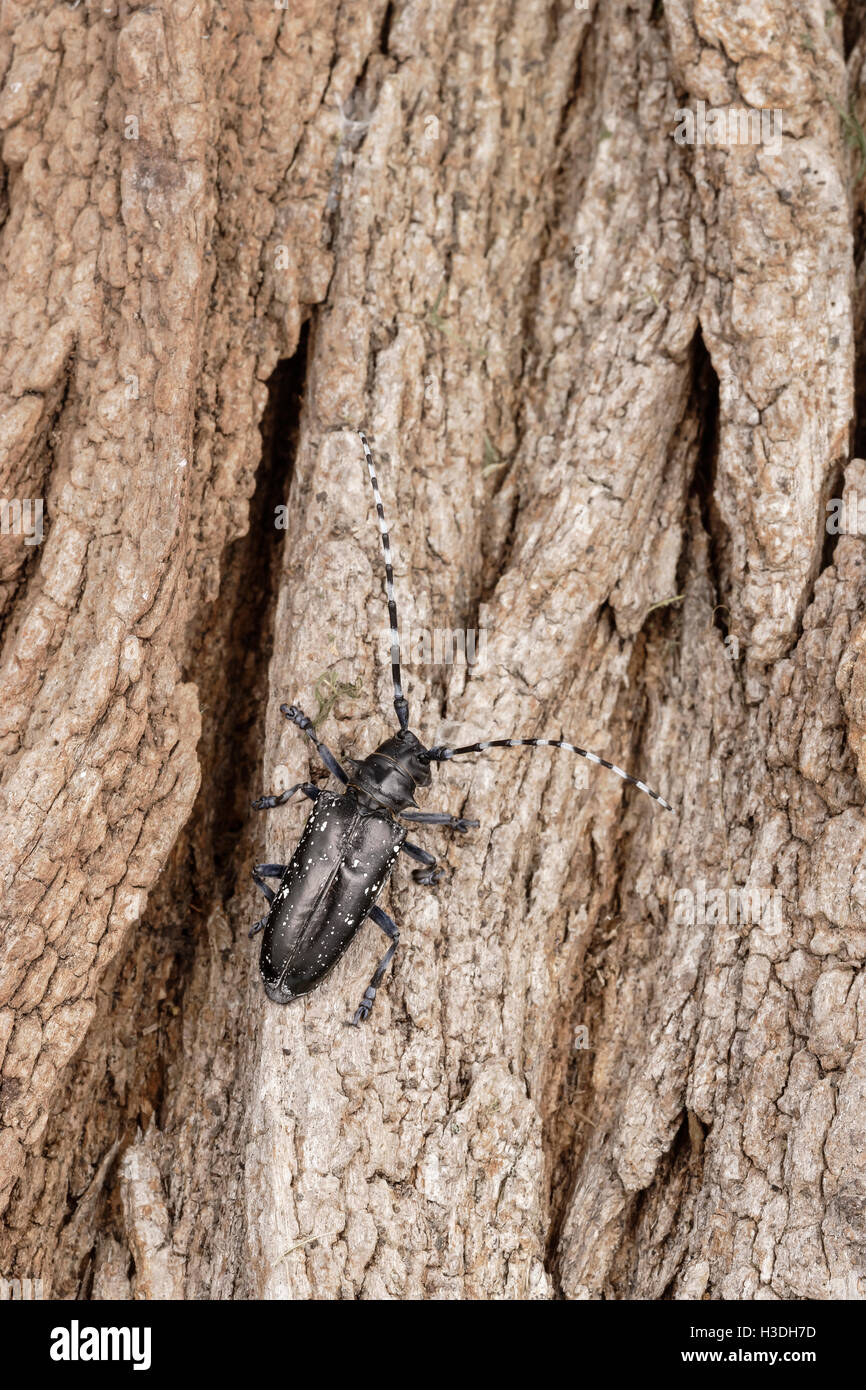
[[352, 838]]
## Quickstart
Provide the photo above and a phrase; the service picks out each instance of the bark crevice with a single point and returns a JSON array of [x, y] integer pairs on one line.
[[600, 371]]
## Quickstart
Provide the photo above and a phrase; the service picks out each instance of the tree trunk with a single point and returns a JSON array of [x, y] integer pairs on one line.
[[609, 379]]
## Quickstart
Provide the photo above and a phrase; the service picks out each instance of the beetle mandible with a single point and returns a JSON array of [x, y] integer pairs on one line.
[[352, 838]]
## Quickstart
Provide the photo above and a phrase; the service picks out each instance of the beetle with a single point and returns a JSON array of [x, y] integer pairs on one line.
[[352, 839]]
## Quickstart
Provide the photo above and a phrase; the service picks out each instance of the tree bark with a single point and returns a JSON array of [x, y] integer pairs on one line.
[[611, 385]]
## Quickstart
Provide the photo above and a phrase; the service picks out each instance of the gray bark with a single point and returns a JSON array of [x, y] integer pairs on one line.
[[611, 385]]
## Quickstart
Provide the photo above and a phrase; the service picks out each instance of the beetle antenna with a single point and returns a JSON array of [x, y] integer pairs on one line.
[[443, 755], [401, 704]]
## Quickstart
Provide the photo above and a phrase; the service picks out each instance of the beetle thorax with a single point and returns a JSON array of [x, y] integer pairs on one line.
[[392, 774]]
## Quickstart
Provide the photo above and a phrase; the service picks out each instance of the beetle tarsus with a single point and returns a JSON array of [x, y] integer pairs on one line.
[[267, 803], [389, 927], [429, 877], [362, 1013], [297, 716]]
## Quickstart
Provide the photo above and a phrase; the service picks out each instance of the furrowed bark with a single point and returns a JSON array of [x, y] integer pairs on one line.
[[610, 382]]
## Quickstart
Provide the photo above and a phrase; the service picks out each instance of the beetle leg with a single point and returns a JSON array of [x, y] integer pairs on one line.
[[416, 852], [298, 717], [388, 925], [257, 926], [390, 928], [430, 875], [267, 803], [440, 818], [263, 871]]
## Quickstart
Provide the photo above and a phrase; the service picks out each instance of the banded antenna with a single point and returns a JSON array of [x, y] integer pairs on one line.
[[401, 704], [443, 754]]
